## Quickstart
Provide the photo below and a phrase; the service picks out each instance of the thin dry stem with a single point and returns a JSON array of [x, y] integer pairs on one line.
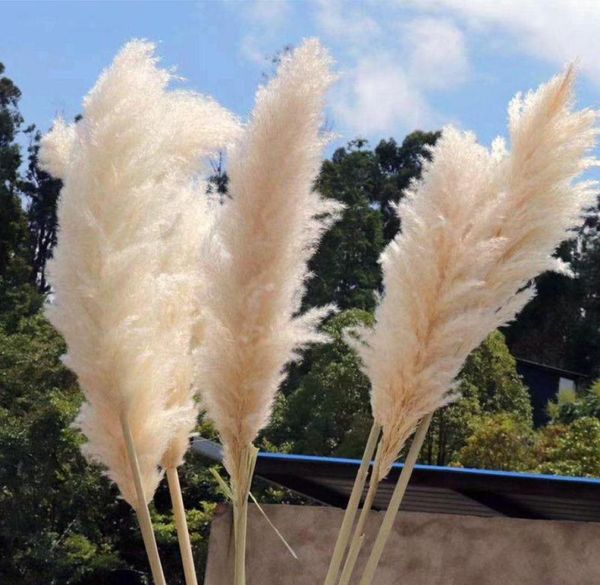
[[141, 507], [358, 534], [241, 492], [352, 507], [183, 535], [396, 500]]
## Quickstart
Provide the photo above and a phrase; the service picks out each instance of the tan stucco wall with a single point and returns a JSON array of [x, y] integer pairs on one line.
[[424, 549]]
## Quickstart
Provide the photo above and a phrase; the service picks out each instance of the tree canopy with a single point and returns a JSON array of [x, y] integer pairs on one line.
[[369, 183], [17, 295]]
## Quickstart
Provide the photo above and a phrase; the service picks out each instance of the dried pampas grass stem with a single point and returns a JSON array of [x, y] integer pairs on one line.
[[241, 493], [183, 535], [395, 501], [359, 531], [358, 536], [345, 531], [142, 511]]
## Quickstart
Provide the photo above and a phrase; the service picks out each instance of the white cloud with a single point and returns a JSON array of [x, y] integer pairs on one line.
[[250, 50], [556, 31], [396, 55], [389, 66], [439, 55], [386, 92], [264, 21], [377, 97], [345, 20], [269, 13]]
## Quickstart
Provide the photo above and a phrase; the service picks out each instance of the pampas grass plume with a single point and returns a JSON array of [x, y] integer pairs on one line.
[[126, 168], [258, 253], [476, 230]]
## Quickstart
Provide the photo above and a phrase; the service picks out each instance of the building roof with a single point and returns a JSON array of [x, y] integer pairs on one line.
[[543, 382], [446, 490], [555, 370]]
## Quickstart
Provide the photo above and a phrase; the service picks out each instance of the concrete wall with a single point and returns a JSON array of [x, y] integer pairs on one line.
[[424, 549]]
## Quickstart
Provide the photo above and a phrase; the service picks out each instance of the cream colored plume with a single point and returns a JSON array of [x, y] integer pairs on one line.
[[180, 319], [55, 148], [258, 253], [127, 169], [475, 231]]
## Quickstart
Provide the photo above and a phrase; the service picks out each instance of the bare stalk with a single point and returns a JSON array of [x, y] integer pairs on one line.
[[359, 532], [241, 491], [183, 535], [141, 509], [352, 507], [396, 500]]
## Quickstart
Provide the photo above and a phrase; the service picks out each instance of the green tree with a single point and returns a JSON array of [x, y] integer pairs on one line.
[[570, 406], [345, 266], [67, 504], [451, 426], [370, 183], [561, 325], [41, 191], [583, 344], [488, 384], [572, 449], [399, 165], [501, 441], [492, 370], [17, 295], [61, 522], [329, 413]]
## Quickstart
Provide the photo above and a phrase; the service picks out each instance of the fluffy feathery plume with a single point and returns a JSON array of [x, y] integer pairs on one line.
[[180, 319], [180, 326], [259, 250], [125, 165], [55, 148], [256, 263], [476, 230]]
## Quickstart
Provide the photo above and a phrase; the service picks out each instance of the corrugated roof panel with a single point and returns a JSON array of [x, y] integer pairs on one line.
[[435, 489]]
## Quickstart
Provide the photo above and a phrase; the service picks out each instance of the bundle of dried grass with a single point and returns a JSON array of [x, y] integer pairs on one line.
[[487, 223], [256, 265], [127, 168], [476, 230]]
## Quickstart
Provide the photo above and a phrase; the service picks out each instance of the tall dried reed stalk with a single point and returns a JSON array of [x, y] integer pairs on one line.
[[255, 264], [127, 169], [476, 230], [180, 321]]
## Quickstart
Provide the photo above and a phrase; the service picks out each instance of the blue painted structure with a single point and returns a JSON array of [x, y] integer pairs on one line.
[[447, 490]]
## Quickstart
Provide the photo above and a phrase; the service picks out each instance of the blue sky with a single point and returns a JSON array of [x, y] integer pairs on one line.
[[403, 64]]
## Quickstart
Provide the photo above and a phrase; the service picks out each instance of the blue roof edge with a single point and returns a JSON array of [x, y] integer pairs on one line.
[[457, 470]]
